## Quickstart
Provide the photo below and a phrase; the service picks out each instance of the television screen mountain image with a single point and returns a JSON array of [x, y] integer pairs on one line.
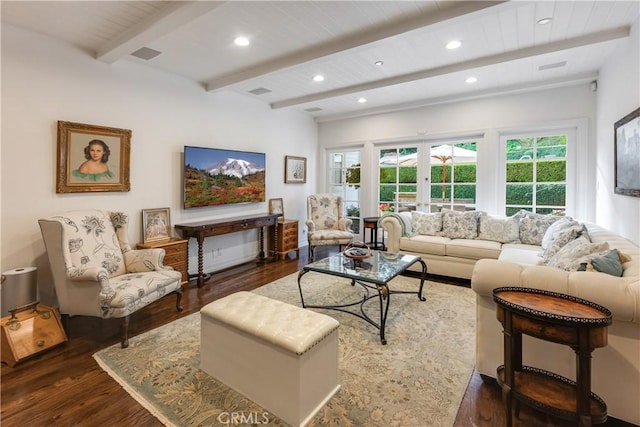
[[215, 177]]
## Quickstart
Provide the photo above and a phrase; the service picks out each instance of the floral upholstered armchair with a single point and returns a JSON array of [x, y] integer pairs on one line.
[[95, 271], [326, 222]]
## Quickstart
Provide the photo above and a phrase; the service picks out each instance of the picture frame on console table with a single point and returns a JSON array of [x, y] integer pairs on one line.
[[92, 158], [627, 154], [276, 206], [295, 170], [156, 224]]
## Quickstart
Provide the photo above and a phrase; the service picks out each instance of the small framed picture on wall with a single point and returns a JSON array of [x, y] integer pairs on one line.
[[295, 170]]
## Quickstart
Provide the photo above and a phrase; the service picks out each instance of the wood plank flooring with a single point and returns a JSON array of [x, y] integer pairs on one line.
[[66, 387]]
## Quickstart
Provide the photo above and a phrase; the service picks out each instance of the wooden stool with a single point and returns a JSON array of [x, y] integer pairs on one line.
[[282, 357], [562, 319], [372, 224]]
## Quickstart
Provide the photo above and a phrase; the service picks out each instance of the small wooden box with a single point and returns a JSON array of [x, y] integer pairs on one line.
[[30, 330]]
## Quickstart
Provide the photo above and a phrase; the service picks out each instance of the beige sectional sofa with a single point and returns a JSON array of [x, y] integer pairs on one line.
[[490, 264]]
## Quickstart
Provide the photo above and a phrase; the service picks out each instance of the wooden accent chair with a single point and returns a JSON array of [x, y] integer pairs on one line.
[[326, 222], [95, 271]]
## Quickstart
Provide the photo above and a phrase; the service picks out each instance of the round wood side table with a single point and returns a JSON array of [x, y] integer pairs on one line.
[[372, 224], [558, 318]]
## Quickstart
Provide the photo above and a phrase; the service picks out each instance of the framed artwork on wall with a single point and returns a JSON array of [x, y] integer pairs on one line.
[[156, 224], [295, 170], [627, 154], [92, 158], [276, 206]]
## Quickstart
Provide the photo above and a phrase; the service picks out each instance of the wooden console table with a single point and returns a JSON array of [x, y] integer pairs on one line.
[[201, 229], [558, 318]]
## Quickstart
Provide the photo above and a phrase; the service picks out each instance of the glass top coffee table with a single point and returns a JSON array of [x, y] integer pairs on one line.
[[372, 274]]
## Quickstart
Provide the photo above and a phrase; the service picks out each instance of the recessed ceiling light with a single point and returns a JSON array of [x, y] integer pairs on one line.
[[379, 63], [318, 78], [544, 21], [471, 80], [362, 100], [454, 44], [241, 41]]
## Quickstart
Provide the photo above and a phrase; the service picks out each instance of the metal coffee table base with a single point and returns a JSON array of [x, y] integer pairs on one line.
[[383, 293]]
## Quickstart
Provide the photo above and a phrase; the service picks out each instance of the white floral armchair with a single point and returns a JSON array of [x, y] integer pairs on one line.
[[326, 222], [95, 271]]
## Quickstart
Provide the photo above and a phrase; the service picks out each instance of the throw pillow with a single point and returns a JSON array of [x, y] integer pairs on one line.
[[533, 226], [426, 223], [608, 262], [571, 255], [555, 228], [503, 230], [459, 225], [560, 238]]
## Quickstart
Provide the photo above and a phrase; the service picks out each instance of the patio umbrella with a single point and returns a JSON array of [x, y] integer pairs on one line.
[[445, 153]]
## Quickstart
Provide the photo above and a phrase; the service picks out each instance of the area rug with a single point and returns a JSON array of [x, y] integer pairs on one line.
[[417, 379]]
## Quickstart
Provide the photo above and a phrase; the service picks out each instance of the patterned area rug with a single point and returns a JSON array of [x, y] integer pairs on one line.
[[417, 379]]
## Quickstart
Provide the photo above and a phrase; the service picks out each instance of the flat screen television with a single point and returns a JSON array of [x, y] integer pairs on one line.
[[214, 177]]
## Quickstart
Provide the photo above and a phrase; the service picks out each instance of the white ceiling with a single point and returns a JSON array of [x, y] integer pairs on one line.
[[291, 41]]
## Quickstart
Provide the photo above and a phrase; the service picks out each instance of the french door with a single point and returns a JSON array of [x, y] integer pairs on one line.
[[427, 176]]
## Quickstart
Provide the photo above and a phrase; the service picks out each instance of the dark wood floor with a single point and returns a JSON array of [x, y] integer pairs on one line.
[[65, 386]]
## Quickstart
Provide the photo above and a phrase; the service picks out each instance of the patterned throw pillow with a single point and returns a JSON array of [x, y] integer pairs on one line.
[[573, 254], [559, 234], [460, 225], [503, 230], [533, 226], [426, 223], [555, 228]]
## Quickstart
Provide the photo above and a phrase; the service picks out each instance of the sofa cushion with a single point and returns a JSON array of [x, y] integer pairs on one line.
[[436, 245], [533, 226], [573, 254], [520, 253], [426, 223], [503, 230], [473, 249], [460, 225]]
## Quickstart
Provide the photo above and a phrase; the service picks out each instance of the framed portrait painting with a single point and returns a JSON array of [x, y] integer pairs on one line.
[[92, 158], [156, 224], [295, 170], [627, 154]]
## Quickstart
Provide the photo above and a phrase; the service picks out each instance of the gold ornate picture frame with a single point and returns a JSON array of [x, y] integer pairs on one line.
[[156, 224], [295, 170], [92, 158]]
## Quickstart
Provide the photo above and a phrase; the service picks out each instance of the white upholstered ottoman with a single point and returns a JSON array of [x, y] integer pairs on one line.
[[282, 357]]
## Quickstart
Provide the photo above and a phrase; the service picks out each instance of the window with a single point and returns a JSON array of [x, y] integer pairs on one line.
[[344, 180], [536, 174], [426, 175]]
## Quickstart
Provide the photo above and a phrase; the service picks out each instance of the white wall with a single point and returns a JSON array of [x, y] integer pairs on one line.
[[618, 95], [44, 81], [573, 106]]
